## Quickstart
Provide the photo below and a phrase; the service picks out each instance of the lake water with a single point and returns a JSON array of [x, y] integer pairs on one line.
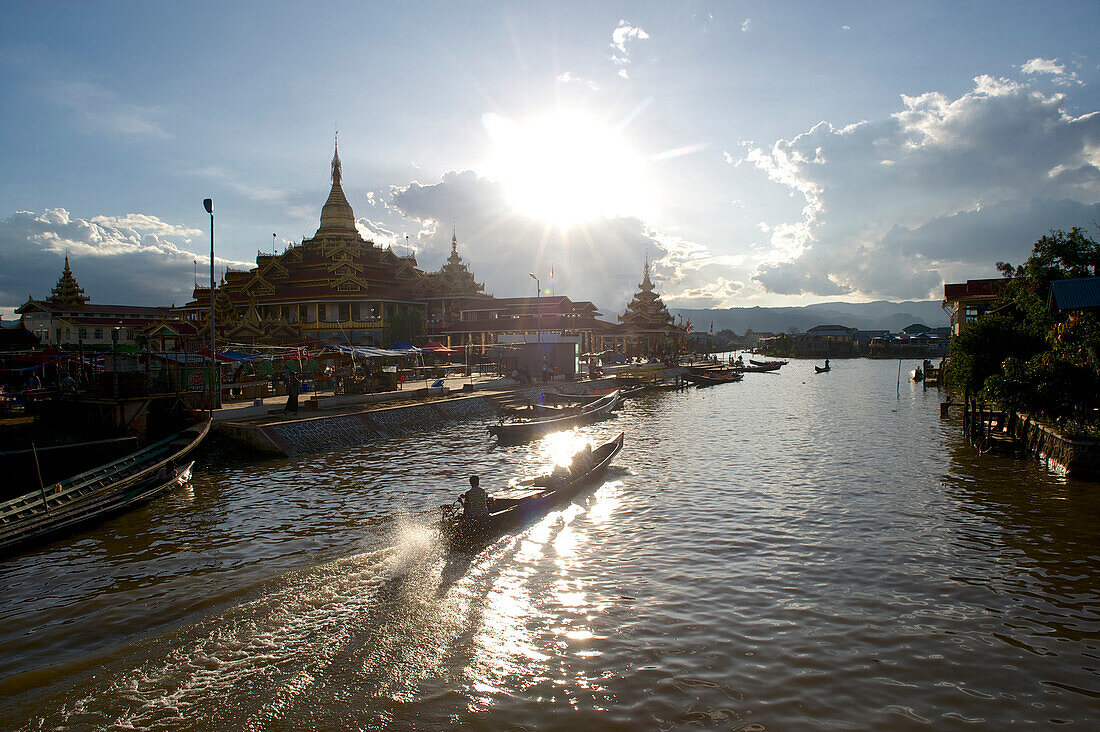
[[792, 551]]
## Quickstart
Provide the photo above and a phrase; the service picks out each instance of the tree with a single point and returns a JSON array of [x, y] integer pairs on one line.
[[1028, 358], [405, 325]]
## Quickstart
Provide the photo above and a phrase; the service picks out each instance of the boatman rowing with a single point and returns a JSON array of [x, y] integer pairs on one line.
[[475, 502]]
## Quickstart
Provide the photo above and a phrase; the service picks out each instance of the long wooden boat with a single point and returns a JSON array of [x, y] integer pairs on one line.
[[757, 369], [106, 490], [768, 363], [512, 432], [557, 397], [713, 378], [526, 500]]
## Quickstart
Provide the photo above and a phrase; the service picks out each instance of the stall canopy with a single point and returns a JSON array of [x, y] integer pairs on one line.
[[437, 347], [371, 352], [404, 346]]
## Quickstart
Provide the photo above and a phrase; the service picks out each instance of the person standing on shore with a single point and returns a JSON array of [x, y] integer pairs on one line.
[[292, 391]]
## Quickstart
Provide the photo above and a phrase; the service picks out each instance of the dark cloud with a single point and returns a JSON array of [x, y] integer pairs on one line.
[[600, 260]]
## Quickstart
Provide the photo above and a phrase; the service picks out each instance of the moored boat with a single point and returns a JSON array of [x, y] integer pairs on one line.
[[768, 363], [527, 499], [518, 431], [106, 490], [712, 378]]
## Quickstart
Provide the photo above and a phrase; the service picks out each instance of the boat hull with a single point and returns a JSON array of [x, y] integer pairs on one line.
[[96, 494], [516, 432]]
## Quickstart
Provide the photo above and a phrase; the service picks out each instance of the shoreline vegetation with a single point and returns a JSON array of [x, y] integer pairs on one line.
[[1028, 355]]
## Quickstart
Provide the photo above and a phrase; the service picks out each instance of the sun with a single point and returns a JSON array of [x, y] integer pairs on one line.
[[567, 168]]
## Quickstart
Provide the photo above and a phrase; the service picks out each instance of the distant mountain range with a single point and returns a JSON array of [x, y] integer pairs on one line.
[[877, 315]]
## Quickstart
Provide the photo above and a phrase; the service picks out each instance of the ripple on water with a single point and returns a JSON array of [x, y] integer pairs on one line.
[[786, 552]]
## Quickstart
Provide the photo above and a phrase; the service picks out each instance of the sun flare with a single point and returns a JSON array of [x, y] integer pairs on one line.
[[567, 168]]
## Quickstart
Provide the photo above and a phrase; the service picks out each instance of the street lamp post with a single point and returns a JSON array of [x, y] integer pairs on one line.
[[538, 310], [114, 358], [208, 204]]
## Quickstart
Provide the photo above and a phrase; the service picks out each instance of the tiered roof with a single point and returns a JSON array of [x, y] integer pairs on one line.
[[67, 291], [646, 312], [336, 264], [454, 278]]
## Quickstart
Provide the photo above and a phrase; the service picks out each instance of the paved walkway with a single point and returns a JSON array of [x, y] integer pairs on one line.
[[271, 408]]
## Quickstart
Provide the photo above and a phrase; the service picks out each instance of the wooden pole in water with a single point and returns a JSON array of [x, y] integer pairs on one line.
[[38, 470], [899, 379]]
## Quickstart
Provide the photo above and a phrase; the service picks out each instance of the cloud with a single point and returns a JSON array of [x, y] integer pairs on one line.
[[622, 34], [102, 109], [625, 32], [746, 24], [894, 206], [1053, 68], [126, 260], [599, 261], [569, 77]]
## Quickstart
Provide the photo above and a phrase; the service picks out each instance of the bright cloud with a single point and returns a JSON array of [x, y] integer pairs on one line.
[[887, 202], [620, 36]]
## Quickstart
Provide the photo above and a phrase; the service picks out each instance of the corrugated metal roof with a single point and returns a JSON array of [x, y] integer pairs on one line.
[[1077, 293]]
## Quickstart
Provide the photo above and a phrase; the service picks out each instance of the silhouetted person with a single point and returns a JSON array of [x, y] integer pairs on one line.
[[475, 501], [292, 391]]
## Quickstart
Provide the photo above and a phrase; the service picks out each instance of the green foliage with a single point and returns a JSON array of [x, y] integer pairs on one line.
[[405, 325], [983, 347], [1025, 356]]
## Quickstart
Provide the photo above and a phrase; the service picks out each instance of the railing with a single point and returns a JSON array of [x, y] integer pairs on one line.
[[375, 324]]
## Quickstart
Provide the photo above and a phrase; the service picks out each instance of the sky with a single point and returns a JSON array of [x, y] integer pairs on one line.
[[754, 153]]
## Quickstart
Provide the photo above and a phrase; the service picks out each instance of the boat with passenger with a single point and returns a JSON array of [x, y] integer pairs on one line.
[[527, 499]]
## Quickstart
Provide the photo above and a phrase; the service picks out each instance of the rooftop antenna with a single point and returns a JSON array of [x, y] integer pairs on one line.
[[408, 248], [196, 263], [273, 243]]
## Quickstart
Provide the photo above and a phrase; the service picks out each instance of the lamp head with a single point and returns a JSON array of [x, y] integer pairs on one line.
[[208, 204]]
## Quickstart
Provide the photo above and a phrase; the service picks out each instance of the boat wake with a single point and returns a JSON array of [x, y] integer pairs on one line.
[[367, 609]]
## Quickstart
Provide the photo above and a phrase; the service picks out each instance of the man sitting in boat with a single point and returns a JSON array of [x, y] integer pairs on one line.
[[475, 502], [582, 461]]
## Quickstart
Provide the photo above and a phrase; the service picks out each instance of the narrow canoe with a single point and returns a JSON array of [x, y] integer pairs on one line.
[[524, 502]]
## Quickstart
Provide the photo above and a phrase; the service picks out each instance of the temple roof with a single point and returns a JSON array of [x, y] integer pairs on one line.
[[646, 310], [67, 291]]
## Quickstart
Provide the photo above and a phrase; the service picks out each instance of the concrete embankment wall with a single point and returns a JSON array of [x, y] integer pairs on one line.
[[346, 429], [1078, 458], [330, 432]]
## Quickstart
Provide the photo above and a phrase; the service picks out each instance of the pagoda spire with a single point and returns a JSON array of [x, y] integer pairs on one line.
[[336, 214], [337, 172], [67, 291]]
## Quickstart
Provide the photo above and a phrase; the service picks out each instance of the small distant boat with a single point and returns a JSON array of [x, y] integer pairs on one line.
[[525, 501], [519, 431], [916, 375], [821, 369], [777, 364]]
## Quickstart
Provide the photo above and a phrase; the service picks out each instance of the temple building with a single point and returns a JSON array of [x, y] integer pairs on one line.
[[335, 287], [646, 327], [68, 318], [342, 289], [449, 292]]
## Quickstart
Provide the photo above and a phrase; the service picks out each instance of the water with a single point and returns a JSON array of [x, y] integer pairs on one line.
[[792, 551]]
